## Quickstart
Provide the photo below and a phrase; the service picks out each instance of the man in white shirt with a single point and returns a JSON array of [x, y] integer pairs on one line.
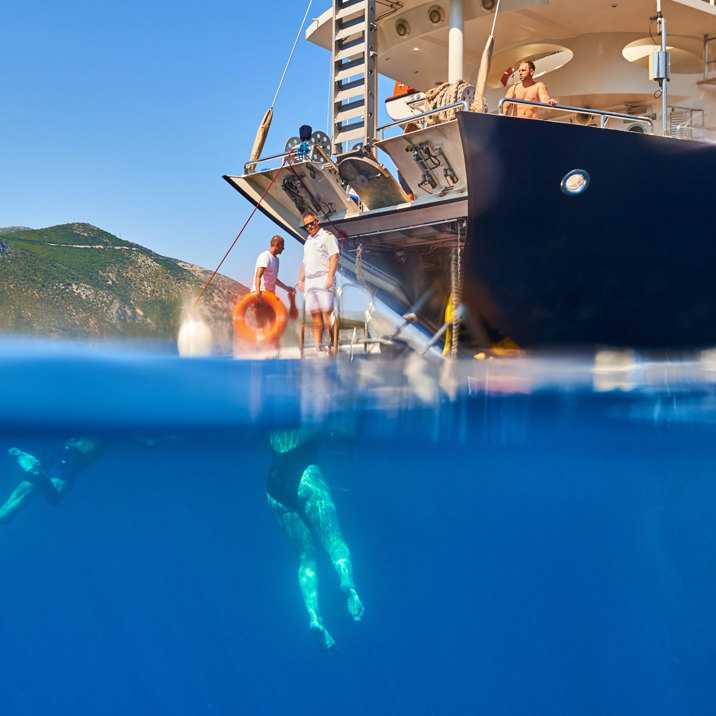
[[266, 275], [318, 276]]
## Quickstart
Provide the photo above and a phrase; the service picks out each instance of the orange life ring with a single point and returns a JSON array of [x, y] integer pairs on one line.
[[272, 326]]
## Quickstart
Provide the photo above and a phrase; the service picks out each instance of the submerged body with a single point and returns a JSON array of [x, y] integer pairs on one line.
[[302, 503], [52, 474]]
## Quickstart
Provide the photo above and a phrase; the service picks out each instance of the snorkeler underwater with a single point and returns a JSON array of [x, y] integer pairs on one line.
[[53, 475], [297, 494], [525, 535], [301, 501]]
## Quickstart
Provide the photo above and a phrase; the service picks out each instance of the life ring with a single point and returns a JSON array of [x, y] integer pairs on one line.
[[257, 331]]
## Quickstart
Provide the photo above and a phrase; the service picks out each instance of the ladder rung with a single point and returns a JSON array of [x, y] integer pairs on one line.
[[358, 42], [346, 24], [350, 53], [345, 114], [349, 69], [349, 31], [350, 11], [354, 89], [349, 135]]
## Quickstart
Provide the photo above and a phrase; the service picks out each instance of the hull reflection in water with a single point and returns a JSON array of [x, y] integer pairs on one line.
[[528, 536]]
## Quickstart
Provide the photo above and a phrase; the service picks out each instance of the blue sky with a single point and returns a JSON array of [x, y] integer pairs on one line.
[[126, 115]]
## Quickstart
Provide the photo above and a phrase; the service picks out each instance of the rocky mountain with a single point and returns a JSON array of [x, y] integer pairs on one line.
[[13, 229], [75, 280]]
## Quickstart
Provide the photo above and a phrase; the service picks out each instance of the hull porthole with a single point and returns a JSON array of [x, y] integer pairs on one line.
[[575, 182]]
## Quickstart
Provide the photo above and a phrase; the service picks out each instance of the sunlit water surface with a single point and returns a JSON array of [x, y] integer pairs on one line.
[[530, 535]]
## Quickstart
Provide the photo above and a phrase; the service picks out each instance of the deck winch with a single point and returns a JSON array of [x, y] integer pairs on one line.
[[309, 145]]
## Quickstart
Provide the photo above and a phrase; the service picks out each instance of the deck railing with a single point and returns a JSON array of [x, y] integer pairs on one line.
[[602, 114], [416, 117], [686, 130]]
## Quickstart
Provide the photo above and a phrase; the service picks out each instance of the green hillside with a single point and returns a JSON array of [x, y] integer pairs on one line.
[[77, 280]]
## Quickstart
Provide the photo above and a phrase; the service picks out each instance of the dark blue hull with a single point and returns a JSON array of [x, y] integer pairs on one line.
[[629, 262]]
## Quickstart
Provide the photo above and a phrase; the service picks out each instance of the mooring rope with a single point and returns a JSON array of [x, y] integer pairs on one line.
[[216, 270], [360, 276], [456, 280]]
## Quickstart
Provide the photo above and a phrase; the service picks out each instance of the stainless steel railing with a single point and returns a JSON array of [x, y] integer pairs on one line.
[[687, 130], [465, 106], [602, 114], [250, 167]]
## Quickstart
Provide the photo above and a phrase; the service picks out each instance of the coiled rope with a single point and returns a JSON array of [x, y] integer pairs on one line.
[[441, 96]]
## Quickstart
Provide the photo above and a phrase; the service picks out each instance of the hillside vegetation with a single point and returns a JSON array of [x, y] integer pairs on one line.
[[75, 280]]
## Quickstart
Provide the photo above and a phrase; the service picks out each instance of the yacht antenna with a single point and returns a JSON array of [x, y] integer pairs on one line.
[[494, 19], [478, 104], [659, 68]]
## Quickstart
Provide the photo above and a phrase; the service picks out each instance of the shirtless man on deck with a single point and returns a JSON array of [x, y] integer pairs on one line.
[[527, 88]]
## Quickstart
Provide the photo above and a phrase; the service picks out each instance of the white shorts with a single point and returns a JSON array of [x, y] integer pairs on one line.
[[318, 299]]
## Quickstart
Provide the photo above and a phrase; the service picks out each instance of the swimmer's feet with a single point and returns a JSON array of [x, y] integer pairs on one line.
[[345, 574], [29, 463], [355, 606], [324, 640]]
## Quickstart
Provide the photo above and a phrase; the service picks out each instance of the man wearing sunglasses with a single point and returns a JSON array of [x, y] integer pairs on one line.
[[318, 276]]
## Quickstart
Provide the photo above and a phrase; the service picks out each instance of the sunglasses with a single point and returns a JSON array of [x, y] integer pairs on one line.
[[307, 226]]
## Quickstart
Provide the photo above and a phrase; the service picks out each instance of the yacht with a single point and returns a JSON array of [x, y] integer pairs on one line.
[[587, 225]]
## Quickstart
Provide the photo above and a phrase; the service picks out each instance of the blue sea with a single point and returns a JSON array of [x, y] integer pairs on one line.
[[530, 535]]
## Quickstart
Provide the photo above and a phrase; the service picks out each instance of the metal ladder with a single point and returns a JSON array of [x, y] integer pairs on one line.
[[354, 77]]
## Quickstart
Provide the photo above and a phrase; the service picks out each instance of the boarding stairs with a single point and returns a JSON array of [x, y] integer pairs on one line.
[[353, 104]]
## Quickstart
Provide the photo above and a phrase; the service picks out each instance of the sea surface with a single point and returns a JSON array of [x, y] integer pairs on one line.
[[530, 535]]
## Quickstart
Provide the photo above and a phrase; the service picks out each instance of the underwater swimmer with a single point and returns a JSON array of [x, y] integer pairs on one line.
[[302, 504], [53, 475]]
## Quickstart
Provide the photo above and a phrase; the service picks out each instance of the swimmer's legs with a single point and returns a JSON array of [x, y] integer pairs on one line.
[[52, 488], [305, 547], [323, 519], [25, 492], [76, 454]]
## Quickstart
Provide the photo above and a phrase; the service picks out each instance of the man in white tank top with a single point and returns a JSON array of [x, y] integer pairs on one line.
[[266, 272]]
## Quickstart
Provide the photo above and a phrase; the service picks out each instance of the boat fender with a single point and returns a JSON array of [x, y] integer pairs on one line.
[[448, 332], [264, 328]]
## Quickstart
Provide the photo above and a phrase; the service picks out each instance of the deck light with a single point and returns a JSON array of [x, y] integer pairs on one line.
[[436, 14]]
